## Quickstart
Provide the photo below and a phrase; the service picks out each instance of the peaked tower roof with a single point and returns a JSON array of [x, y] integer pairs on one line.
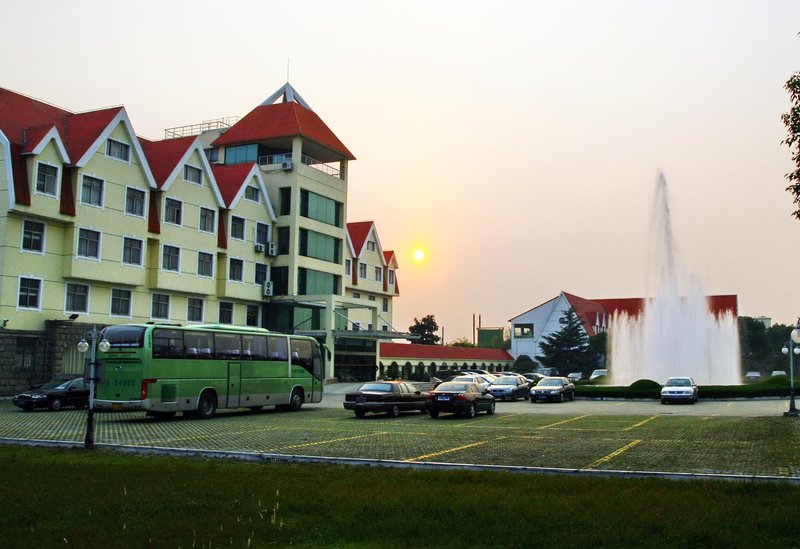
[[289, 94]]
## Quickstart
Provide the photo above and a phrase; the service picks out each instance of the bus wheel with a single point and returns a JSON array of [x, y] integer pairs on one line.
[[296, 400], [207, 405]]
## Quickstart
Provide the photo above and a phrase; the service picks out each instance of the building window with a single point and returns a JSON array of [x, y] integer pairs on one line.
[[33, 236], [236, 270], [385, 327], [77, 298], [252, 193], [193, 174], [283, 240], [118, 150], [29, 292], [47, 179], [134, 202], [212, 154], [348, 267], [241, 153], [225, 312], [391, 276], [92, 191], [371, 298], [356, 295], [285, 197], [171, 258], [205, 264], [320, 208], [173, 211], [362, 270], [385, 306], [207, 218], [262, 273], [252, 315], [120, 302], [379, 274], [319, 246], [280, 280], [195, 311], [89, 244], [160, 308], [370, 246], [262, 233], [523, 331], [311, 282], [237, 227], [132, 251]]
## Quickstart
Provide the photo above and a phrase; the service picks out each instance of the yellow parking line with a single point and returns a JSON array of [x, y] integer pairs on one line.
[[225, 434], [562, 422], [613, 454], [435, 454], [651, 418], [331, 441], [510, 415]]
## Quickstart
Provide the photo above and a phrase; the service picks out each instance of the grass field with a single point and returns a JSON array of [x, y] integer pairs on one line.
[[100, 499]]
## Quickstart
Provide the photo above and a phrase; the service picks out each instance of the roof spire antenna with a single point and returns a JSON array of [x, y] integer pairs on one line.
[[287, 69]]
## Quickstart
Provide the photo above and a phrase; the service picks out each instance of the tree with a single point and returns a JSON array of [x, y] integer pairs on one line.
[[567, 350], [426, 330], [791, 120], [598, 345], [753, 344], [461, 342], [523, 364]]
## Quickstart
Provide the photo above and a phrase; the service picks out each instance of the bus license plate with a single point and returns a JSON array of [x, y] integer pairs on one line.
[[116, 406]]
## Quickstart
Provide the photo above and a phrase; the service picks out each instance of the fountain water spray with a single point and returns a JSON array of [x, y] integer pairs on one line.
[[677, 333]]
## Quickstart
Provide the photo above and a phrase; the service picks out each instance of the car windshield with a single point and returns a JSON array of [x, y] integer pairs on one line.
[[450, 386], [58, 383], [599, 372], [549, 383], [679, 382], [506, 381], [464, 378], [380, 387]]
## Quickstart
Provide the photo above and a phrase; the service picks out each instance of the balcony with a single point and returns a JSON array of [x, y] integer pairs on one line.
[[284, 160]]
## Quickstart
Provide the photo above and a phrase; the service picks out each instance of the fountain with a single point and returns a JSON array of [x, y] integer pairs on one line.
[[676, 334]]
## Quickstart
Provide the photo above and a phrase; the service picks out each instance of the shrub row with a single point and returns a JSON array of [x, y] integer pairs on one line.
[[646, 388]]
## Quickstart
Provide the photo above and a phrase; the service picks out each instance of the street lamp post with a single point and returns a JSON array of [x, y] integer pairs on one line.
[[83, 346], [791, 349]]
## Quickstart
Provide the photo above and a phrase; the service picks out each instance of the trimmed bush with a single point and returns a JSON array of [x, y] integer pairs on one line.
[[646, 388]]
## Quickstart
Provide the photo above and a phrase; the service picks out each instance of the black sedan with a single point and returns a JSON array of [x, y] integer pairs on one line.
[[65, 390], [461, 398], [391, 397], [553, 388], [510, 388]]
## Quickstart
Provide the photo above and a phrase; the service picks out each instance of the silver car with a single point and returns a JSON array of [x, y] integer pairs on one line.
[[679, 389]]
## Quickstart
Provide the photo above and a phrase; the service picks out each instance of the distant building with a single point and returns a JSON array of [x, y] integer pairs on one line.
[[530, 328], [414, 361], [766, 321]]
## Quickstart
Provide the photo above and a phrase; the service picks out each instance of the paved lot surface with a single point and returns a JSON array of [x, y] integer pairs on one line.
[[732, 438]]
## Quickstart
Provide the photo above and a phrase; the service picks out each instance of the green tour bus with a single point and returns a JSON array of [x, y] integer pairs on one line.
[[163, 369]]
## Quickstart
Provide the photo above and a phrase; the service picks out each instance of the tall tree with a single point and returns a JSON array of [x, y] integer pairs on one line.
[[791, 120], [426, 329], [567, 350]]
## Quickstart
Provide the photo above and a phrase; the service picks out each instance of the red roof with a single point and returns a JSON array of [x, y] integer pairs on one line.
[[359, 232], [282, 120], [164, 155], [230, 178], [19, 112], [441, 352], [83, 129]]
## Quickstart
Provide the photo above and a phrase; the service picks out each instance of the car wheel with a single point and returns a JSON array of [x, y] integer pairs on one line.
[[295, 401], [434, 414], [490, 411], [424, 410], [470, 413], [561, 397], [394, 411], [207, 405], [360, 413], [56, 404], [663, 401], [572, 396]]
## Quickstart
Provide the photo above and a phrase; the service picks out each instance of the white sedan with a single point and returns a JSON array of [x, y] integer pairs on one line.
[[679, 389]]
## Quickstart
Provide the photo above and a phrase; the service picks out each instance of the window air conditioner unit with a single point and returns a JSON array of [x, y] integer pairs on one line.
[[268, 288], [260, 248], [272, 249], [286, 165]]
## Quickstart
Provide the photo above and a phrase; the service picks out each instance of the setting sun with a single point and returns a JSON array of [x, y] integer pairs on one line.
[[419, 255]]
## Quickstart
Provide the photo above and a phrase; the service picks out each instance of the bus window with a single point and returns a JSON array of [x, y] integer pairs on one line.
[[228, 346], [124, 336], [198, 344], [254, 347], [301, 353], [167, 343], [278, 349]]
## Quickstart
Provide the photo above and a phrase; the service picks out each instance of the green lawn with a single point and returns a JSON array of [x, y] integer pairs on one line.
[[102, 499]]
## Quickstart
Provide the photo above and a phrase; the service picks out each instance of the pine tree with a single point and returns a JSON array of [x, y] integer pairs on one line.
[[567, 350]]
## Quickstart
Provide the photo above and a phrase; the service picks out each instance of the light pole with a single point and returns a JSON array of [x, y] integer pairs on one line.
[[83, 346], [791, 349]]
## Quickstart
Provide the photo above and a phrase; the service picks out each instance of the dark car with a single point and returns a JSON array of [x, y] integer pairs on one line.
[[65, 390], [534, 377], [511, 387], [391, 397], [553, 388], [460, 397]]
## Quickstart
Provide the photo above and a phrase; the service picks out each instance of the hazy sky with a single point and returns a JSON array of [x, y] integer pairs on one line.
[[517, 143]]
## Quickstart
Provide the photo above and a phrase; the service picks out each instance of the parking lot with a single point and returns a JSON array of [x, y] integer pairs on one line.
[[727, 438]]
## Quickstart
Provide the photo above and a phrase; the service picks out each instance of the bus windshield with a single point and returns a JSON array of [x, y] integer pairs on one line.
[[125, 336]]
